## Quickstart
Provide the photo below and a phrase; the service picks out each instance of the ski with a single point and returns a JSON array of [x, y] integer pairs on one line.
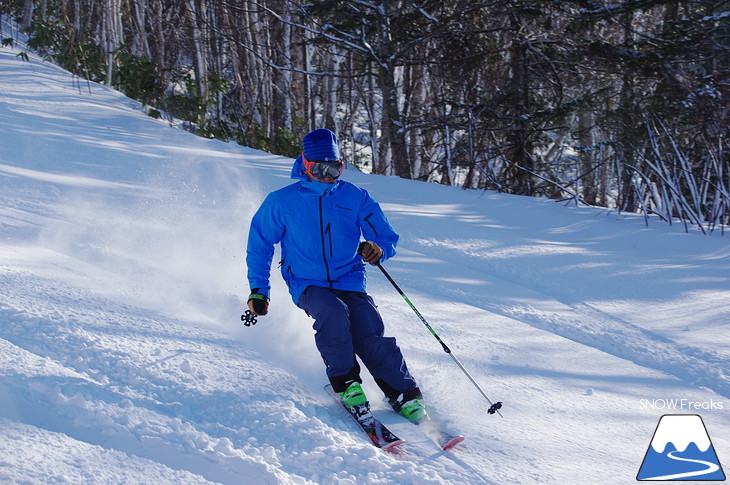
[[379, 435], [431, 428], [447, 441]]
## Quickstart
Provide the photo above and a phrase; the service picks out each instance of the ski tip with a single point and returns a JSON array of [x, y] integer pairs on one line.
[[450, 443], [393, 446]]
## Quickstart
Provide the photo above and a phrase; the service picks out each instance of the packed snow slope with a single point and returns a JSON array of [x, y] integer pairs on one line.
[[123, 358]]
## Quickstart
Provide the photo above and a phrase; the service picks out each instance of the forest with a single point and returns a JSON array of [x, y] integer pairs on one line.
[[620, 104]]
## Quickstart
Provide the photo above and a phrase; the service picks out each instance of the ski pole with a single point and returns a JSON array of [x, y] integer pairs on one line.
[[494, 407]]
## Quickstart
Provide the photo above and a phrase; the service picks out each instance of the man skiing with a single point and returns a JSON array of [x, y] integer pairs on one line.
[[320, 222]]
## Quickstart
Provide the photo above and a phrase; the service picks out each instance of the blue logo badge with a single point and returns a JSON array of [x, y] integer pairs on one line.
[[680, 450]]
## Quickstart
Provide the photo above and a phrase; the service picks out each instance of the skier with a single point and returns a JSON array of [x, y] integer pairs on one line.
[[319, 222]]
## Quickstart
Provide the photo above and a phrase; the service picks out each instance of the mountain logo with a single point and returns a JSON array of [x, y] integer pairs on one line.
[[680, 450]]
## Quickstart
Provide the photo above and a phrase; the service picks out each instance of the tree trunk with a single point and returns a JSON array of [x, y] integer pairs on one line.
[[112, 34], [199, 56], [393, 127], [519, 139], [28, 9], [625, 140], [587, 156]]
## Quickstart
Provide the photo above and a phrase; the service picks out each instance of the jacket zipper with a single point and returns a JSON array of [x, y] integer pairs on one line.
[[328, 232], [322, 233]]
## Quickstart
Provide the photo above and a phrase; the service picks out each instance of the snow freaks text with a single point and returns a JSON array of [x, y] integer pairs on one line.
[[681, 404]]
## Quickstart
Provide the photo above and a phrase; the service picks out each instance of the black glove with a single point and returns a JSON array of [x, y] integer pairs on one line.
[[258, 303], [370, 252]]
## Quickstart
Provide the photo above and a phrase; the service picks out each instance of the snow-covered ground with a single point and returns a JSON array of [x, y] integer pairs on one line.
[[123, 359]]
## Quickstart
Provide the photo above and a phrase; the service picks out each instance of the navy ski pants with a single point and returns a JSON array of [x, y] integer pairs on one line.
[[348, 324]]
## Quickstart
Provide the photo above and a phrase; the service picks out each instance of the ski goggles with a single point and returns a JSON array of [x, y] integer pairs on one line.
[[323, 170]]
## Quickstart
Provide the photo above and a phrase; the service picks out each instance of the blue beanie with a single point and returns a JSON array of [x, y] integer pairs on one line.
[[321, 146]]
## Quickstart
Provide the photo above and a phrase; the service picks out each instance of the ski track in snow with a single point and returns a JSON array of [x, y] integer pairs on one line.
[[590, 326], [122, 380], [121, 279], [500, 285]]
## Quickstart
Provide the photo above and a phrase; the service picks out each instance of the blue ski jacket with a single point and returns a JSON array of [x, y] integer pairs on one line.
[[320, 227]]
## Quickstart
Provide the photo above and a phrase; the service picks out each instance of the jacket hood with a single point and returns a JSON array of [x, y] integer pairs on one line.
[[297, 170], [297, 173]]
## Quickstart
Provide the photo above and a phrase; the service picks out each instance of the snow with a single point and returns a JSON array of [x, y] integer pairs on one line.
[[123, 358]]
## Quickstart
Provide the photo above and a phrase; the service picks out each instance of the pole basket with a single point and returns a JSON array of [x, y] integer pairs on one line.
[[248, 318]]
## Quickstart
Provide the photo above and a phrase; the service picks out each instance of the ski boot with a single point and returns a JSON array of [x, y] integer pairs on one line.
[[354, 400], [409, 405]]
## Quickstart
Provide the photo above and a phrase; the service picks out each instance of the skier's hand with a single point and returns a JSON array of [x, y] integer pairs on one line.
[[370, 252], [258, 303]]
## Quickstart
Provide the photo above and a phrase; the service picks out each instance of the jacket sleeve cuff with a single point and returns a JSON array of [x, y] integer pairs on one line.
[[263, 290]]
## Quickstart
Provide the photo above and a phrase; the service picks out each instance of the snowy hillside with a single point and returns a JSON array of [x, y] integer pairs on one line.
[[123, 359]]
